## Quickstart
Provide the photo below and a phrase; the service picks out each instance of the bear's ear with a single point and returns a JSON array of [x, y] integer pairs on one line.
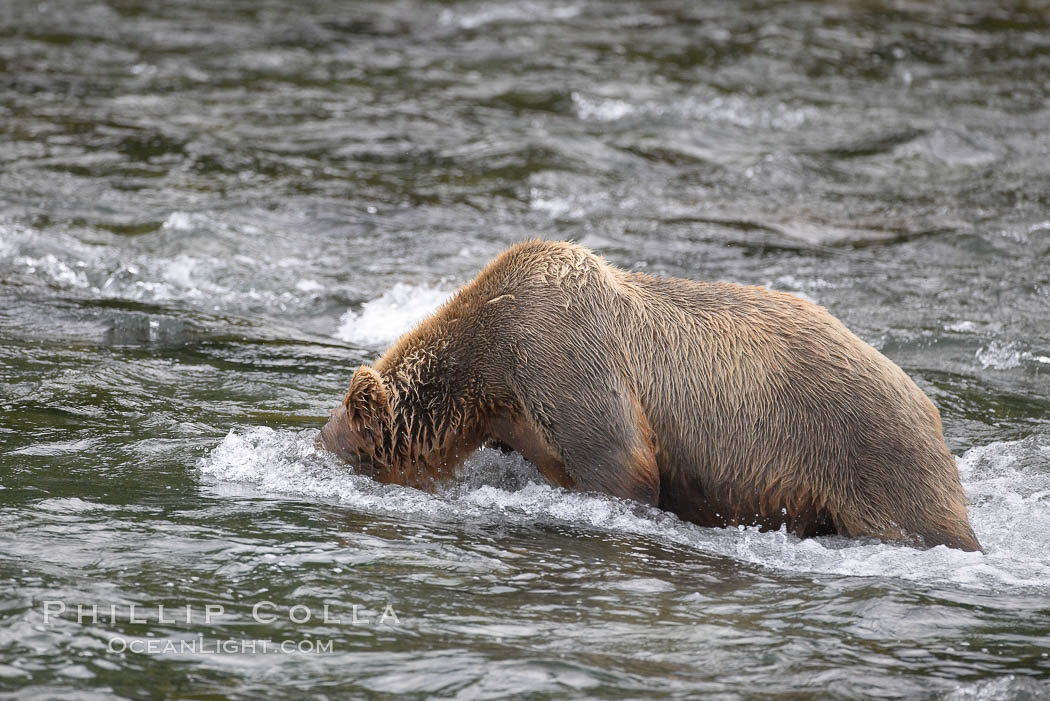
[[367, 402]]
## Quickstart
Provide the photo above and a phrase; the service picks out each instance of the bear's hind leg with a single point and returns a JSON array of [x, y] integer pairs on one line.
[[925, 518]]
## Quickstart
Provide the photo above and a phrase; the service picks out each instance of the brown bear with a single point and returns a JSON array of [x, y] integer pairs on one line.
[[727, 405]]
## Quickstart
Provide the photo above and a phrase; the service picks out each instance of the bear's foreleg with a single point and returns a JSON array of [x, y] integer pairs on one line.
[[591, 438]]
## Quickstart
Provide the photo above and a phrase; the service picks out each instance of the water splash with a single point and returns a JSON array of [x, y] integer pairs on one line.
[[381, 321], [158, 270], [999, 356], [1011, 686], [1008, 485], [1006, 356]]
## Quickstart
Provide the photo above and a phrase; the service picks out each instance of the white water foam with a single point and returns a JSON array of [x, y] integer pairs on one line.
[[381, 321], [158, 270], [739, 111], [1007, 688], [599, 109], [488, 13], [59, 272], [999, 356], [1006, 356], [1008, 486]]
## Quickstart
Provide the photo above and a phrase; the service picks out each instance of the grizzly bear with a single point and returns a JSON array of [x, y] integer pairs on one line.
[[724, 404]]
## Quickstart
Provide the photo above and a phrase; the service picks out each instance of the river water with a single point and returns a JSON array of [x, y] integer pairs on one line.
[[212, 212]]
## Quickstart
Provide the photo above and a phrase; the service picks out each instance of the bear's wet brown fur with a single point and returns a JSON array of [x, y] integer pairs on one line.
[[727, 405]]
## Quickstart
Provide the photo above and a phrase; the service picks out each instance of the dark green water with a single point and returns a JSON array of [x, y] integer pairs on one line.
[[211, 212]]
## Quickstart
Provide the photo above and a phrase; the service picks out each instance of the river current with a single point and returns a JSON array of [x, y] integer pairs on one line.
[[212, 212]]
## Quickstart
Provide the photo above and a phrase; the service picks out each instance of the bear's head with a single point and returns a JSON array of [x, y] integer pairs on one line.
[[359, 429], [410, 426]]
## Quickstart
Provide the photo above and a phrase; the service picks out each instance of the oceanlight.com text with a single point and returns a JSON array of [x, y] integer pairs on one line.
[[204, 646]]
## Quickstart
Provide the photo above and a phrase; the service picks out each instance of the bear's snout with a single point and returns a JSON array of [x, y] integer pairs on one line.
[[331, 437]]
